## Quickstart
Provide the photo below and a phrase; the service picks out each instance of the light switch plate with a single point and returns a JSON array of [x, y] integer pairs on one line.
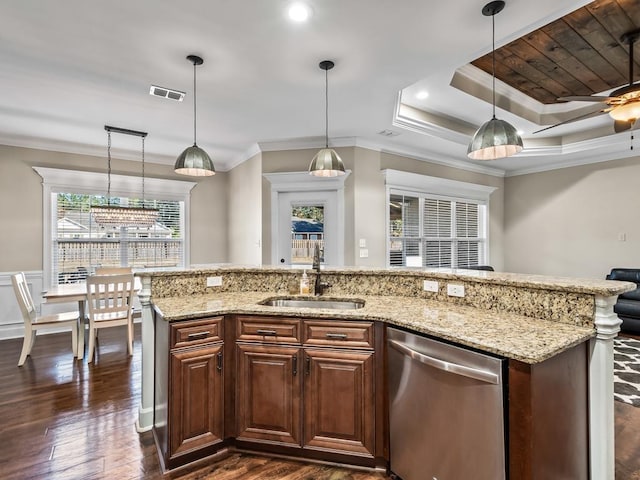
[[364, 253], [214, 281], [430, 286], [363, 243], [454, 290]]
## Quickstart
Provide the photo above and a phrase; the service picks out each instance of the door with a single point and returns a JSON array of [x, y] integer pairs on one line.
[[339, 401], [196, 418], [268, 394], [304, 220]]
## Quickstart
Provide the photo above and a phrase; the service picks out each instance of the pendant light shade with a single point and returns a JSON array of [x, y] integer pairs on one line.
[[326, 163], [496, 138], [194, 161]]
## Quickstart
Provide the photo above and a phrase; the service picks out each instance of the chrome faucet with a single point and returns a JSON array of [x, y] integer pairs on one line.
[[319, 286]]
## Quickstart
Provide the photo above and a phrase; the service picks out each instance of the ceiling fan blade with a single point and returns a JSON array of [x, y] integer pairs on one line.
[[586, 98], [575, 119], [622, 125]]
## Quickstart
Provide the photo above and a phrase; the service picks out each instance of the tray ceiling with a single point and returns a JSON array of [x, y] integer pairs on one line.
[[578, 54]]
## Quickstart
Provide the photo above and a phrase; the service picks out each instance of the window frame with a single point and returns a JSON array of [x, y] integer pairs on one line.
[[56, 181], [424, 186]]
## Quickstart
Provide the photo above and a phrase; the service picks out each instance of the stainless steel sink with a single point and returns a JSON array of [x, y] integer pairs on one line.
[[317, 302]]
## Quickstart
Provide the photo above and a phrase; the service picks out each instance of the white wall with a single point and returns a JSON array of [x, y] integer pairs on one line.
[[244, 212], [569, 222]]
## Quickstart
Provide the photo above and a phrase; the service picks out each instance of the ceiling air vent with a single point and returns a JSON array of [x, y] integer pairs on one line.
[[166, 93], [388, 133]]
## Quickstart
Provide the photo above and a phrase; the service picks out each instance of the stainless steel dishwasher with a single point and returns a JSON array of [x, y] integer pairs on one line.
[[445, 411]]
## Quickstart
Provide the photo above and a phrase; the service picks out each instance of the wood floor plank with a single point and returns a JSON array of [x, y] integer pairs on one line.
[[62, 418]]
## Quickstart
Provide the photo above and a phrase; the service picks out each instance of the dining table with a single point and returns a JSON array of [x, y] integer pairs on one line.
[[76, 292]]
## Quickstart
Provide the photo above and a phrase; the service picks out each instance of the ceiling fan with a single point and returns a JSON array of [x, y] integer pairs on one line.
[[623, 104]]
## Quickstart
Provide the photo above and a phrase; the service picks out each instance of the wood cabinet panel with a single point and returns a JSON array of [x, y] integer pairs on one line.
[[339, 401], [196, 403], [197, 332], [267, 329], [268, 394], [339, 334]]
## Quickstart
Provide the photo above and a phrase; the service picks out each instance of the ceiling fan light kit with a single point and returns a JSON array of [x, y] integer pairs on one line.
[[496, 138], [327, 162], [194, 161]]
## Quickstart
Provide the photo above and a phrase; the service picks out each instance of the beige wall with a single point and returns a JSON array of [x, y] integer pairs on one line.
[[21, 204], [496, 201], [366, 203], [568, 222], [298, 161], [244, 212]]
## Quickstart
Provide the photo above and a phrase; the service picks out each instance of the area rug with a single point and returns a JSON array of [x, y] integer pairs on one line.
[[626, 370]]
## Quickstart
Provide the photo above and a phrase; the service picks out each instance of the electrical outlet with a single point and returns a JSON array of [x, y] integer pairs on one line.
[[214, 281], [430, 286], [454, 290]]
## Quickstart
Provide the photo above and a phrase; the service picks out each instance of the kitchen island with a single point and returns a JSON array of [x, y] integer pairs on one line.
[[530, 320]]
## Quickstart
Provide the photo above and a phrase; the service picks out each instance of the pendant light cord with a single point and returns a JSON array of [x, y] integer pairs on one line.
[[493, 61], [326, 108], [194, 104], [143, 198], [109, 168]]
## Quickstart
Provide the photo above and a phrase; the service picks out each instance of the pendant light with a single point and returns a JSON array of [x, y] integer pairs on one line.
[[326, 163], [496, 138], [194, 161], [114, 215]]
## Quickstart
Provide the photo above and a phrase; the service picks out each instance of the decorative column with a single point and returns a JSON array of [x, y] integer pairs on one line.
[[145, 409], [601, 408]]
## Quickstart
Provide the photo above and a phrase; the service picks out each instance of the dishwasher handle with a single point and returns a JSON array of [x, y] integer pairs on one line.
[[455, 368]]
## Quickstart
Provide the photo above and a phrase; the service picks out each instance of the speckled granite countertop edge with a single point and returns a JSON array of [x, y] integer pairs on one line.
[[512, 336], [566, 284]]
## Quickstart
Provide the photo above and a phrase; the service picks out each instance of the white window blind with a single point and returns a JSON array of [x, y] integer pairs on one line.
[[79, 245], [430, 231]]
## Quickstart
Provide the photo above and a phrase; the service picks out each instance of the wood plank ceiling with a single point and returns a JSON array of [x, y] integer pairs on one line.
[[579, 54]]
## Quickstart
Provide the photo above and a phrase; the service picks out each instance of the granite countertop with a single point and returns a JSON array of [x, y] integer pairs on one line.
[[591, 286], [513, 336]]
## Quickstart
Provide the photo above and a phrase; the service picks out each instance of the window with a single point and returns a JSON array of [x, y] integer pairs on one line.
[[435, 222], [435, 232], [79, 245], [74, 245]]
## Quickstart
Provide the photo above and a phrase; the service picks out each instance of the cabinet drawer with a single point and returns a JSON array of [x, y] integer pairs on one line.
[[268, 329], [196, 332], [339, 334]]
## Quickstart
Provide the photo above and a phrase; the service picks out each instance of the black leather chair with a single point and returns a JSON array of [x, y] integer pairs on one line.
[[487, 268], [628, 305]]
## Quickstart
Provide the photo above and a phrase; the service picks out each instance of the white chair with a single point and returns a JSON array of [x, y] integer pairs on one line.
[[33, 322], [109, 298]]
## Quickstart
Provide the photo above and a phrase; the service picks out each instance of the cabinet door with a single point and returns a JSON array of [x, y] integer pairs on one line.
[[196, 399], [268, 394], [339, 409]]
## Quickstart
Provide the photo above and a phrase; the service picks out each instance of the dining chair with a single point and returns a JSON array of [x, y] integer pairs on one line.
[[113, 270], [33, 322], [110, 299]]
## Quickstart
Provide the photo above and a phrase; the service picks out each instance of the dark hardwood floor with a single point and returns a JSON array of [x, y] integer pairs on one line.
[[65, 419]]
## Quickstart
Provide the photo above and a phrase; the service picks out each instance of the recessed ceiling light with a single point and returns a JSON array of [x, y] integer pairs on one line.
[[422, 94], [299, 12], [166, 93], [520, 132]]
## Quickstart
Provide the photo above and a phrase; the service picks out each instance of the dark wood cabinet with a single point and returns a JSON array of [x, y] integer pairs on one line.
[[313, 391], [189, 389], [268, 394], [196, 407], [339, 411]]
